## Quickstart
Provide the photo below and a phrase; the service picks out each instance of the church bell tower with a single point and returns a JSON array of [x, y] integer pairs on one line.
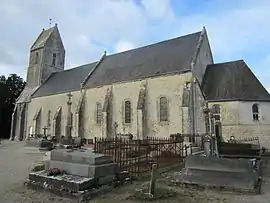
[[47, 55]]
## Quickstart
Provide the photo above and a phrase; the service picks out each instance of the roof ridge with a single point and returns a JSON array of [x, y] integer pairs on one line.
[[197, 50], [95, 67], [226, 62], [48, 32], [156, 43], [80, 66], [163, 58], [233, 80]]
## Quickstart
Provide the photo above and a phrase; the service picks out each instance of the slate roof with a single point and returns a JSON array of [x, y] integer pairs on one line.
[[42, 38], [64, 81], [171, 56], [25, 96], [233, 81]]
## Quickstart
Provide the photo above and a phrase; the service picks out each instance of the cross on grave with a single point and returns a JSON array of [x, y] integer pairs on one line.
[[45, 130]]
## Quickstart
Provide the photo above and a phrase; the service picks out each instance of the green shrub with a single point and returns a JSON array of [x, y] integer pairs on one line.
[[38, 167]]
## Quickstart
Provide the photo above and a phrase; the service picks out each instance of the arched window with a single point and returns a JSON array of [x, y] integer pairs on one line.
[[49, 119], [54, 59], [255, 112], [127, 109], [216, 112], [163, 109], [98, 113], [36, 58]]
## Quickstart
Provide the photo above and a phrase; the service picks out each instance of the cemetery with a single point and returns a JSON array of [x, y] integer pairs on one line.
[[80, 171]]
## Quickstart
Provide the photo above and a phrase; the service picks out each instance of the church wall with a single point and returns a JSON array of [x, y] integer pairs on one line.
[[51, 103], [229, 112], [123, 92], [33, 72], [204, 58], [196, 117], [168, 86], [92, 96], [41, 67], [237, 120], [245, 113], [229, 117], [199, 105], [172, 88], [250, 128], [53, 46]]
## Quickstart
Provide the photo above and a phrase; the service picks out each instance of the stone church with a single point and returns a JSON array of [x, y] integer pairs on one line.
[[155, 90]]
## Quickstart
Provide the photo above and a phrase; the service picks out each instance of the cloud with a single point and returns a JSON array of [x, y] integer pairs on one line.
[[232, 32], [158, 9], [235, 30], [123, 46]]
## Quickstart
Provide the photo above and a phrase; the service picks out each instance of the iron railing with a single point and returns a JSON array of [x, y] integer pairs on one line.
[[137, 156]]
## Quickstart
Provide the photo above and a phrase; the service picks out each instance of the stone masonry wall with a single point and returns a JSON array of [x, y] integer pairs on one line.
[[51, 103], [204, 58], [172, 88], [168, 86], [236, 119]]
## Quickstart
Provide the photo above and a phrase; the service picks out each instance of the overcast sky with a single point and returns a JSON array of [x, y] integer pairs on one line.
[[237, 29]]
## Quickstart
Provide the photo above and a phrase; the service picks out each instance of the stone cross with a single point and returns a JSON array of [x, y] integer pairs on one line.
[[45, 130], [207, 138], [68, 126]]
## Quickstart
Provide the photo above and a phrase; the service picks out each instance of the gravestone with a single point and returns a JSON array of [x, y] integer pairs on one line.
[[78, 142], [236, 174], [45, 145], [66, 142], [80, 172]]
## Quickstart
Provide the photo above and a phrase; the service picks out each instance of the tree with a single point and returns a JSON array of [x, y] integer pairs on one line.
[[10, 90]]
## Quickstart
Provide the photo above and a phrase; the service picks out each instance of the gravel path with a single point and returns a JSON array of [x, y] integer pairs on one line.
[[16, 161]]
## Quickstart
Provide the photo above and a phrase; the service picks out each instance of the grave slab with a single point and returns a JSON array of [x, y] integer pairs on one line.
[[80, 156], [218, 181], [84, 169], [59, 182], [218, 164]]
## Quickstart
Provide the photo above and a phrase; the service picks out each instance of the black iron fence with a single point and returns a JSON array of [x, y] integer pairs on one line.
[[137, 156]]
